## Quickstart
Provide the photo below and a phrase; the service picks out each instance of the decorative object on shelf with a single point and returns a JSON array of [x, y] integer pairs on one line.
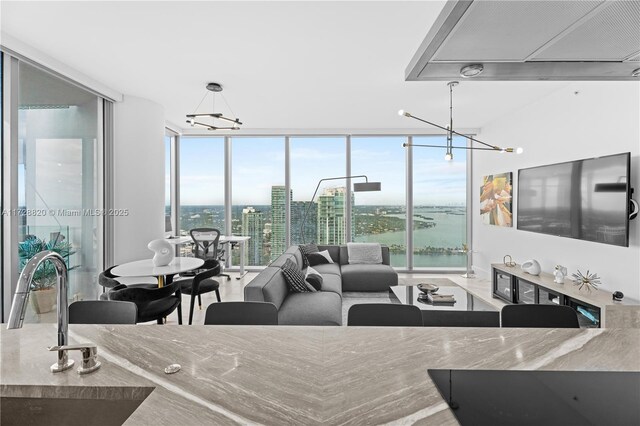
[[508, 261], [365, 186], [531, 267], [428, 288], [163, 252], [559, 273], [618, 296], [43, 285], [450, 132], [469, 272], [495, 199], [213, 116], [172, 368], [586, 280]]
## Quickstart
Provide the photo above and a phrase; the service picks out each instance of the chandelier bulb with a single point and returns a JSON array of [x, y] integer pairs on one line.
[[448, 156], [519, 150], [401, 112]]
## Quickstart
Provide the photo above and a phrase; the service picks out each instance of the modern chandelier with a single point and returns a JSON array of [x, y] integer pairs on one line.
[[450, 132], [213, 117]]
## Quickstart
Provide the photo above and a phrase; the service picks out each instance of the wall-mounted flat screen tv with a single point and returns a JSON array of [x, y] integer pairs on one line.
[[585, 199]]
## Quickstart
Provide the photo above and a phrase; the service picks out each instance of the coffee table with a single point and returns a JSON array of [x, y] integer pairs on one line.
[[465, 301]]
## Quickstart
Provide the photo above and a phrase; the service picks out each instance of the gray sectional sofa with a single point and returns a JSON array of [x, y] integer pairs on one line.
[[323, 307]]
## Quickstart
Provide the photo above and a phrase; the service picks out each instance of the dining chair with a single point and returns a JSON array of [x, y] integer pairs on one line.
[[206, 246], [539, 316], [384, 315], [152, 303], [102, 312], [241, 313], [432, 318], [200, 284], [109, 281]]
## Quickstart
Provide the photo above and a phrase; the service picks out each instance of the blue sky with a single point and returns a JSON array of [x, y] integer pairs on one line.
[[258, 163]]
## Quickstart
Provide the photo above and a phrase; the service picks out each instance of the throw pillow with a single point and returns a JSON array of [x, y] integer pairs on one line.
[[294, 277], [364, 253], [307, 249], [319, 258], [314, 278]]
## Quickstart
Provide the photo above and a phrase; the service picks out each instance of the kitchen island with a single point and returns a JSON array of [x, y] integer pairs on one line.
[[294, 375]]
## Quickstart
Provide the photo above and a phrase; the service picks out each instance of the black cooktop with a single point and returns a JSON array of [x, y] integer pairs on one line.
[[508, 397]]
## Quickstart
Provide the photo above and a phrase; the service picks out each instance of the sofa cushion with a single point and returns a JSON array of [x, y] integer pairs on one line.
[[268, 286], [319, 308], [368, 277], [334, 252], [305, 250], [281, 259], [364, 253], [331, 282], [313, 278], [294, 277], [343, 255], [329, 268]]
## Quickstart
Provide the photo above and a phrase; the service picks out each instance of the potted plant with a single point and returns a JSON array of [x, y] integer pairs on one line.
[[43, 285]]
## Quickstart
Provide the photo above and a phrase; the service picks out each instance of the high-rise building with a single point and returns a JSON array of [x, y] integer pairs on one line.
[[278, 220], [331, 224], [252, 226], [310, 228]]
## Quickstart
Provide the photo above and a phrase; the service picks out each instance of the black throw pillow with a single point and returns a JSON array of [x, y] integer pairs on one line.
[[294, 277], [307, 249], [317, 259], [314, 278]]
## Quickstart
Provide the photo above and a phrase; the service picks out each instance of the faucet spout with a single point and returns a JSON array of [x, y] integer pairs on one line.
[[19, 305]]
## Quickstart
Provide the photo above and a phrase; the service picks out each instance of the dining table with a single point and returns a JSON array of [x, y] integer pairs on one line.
[[146, 268]]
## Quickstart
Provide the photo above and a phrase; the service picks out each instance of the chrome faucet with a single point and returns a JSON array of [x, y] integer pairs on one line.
[[19, 308]]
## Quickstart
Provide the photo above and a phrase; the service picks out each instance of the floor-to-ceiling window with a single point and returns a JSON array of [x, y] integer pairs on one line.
[[59, 184], [258, 190], [381, 216], [201, 183], [168, 142], [439, 204], [258, 194], [313, 159]]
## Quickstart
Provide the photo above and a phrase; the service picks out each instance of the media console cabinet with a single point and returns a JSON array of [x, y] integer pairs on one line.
[[595, 309]]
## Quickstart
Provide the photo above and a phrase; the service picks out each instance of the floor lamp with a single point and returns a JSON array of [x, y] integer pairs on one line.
[[365, 186]]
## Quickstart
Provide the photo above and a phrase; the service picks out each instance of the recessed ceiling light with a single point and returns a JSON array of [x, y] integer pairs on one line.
[[635, 73], [472, 70]]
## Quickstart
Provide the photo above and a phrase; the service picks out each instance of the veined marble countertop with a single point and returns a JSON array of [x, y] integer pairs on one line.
[[296, 375]]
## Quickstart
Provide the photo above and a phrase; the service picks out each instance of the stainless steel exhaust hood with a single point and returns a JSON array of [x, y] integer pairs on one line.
[[531, 40]]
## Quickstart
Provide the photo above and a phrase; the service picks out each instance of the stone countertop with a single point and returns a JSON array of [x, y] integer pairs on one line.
[[297, 375]]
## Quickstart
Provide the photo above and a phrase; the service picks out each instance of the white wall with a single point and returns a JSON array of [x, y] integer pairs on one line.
[[582, 120], [138, 177]]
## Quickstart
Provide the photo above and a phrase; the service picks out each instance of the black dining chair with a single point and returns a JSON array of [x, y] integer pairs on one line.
[[108, 281], [154, 304], [200, 284], [102, 312], [384, 315], [432, 318], [539, 316], [206, 246], [241, 313]]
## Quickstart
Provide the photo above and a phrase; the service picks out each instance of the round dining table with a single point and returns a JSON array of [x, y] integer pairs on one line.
[[146, 268]]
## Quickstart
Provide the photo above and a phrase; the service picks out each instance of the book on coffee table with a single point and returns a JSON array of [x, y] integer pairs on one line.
[[441, 298]]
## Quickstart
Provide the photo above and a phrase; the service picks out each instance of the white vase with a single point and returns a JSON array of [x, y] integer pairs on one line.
[[164, 252], [531, 267]]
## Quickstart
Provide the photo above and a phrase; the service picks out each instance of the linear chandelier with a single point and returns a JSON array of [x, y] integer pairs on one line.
[[450, 132], [213, 116]]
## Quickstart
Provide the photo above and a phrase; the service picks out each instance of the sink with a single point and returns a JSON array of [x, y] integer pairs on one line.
[[47, 405]]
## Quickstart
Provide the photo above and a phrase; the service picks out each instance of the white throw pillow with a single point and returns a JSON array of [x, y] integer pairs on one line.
[[325, 253], [364, 253]]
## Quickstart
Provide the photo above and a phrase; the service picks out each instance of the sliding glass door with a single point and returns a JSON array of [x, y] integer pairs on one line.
[[59, 184]]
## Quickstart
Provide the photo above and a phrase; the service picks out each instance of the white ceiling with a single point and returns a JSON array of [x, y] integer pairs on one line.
[[284, 65]]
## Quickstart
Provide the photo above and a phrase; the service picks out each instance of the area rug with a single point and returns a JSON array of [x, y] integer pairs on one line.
[[351, 298]]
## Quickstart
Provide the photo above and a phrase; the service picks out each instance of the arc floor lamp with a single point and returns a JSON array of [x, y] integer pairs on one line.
[[365, 186]]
